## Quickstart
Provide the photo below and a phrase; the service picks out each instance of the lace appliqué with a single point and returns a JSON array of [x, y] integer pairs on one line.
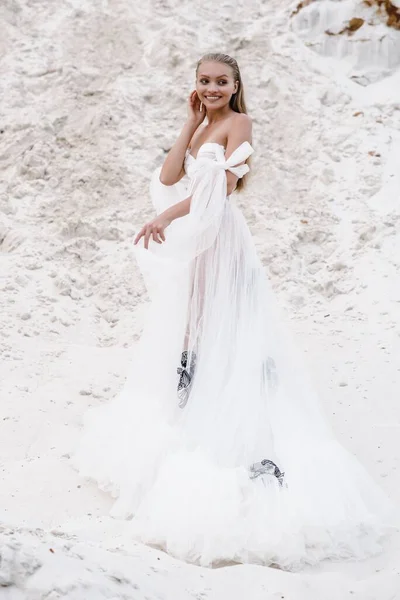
[[266, 467], [186, 376]]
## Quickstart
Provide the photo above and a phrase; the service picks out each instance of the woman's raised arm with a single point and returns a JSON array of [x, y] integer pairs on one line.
[[172, 170]]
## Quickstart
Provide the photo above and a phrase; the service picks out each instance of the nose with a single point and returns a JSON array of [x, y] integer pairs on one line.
[[212, 87]]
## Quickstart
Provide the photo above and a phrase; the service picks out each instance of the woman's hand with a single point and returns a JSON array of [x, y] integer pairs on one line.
[[154, 229], [195, 115]]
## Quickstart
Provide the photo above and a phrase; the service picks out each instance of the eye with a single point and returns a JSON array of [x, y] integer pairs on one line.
[[203, 81], [222, 82]]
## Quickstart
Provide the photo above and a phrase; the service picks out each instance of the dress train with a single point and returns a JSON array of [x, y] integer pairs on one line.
[[243, 467]]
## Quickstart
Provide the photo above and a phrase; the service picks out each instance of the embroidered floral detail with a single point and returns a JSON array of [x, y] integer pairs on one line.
[[186, 376], [266, 467]]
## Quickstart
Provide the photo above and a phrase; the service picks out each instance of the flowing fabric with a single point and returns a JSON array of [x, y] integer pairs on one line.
[[189, 478]]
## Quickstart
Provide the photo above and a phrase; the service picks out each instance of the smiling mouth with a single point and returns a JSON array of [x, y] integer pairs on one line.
[[213, 98]]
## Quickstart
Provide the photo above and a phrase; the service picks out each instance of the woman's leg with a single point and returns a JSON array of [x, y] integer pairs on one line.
[[193, 331]]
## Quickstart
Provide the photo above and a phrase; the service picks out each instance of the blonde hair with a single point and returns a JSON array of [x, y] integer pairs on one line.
[[237, 101]]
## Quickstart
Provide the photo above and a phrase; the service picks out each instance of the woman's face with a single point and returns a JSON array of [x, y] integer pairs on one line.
[[215, 84]]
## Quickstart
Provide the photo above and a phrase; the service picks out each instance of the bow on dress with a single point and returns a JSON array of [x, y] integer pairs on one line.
[[240, 154], [208, 191], [204, 161]]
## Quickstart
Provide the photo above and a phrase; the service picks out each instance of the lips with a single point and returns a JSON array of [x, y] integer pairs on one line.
[[212, 98]]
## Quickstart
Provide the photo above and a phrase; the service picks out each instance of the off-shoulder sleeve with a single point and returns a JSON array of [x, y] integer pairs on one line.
[[241, 153]]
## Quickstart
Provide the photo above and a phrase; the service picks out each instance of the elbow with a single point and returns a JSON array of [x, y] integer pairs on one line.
[[165, 180], [231, 183]]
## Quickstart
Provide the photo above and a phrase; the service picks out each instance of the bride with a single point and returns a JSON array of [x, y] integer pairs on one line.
[[216, 448]]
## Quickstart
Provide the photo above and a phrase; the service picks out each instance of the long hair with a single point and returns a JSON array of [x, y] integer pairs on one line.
[[237, 101]]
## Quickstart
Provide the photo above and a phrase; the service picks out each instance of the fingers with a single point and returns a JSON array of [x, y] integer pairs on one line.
[[155, 235], [158, 232], [150, 230], [140, 234], [193, 97], [147, 236]]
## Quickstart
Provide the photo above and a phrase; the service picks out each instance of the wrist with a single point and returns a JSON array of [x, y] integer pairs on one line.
[[168, 215], [192, 125]]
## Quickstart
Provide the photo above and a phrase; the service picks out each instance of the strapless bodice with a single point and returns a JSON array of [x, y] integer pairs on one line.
[[213, 155]]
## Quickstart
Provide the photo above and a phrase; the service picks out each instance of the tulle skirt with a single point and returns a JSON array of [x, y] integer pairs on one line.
[[183, 476]]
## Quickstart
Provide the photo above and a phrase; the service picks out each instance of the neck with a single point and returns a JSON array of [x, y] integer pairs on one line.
[[213, 116]]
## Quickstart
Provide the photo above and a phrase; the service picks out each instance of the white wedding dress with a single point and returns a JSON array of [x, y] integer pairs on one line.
[[188, 474]]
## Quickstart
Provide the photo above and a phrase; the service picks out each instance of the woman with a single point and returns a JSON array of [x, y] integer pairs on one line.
[[216, 447]]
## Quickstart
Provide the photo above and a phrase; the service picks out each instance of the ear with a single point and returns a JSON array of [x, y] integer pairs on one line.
[[236, 87]]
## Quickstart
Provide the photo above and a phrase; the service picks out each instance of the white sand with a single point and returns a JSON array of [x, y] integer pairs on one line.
[[93, 93]]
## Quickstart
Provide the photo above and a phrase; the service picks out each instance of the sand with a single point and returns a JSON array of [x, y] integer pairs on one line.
[[93, 95]]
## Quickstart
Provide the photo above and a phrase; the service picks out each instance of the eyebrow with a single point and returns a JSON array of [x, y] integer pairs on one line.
[[219, 76]]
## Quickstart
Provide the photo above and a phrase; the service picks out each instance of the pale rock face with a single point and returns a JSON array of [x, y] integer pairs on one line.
[[370, 53], [93, 95]]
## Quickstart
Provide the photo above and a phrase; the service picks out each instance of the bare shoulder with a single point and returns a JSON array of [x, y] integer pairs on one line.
[[242, 123], [242, 118], [240, 131]]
